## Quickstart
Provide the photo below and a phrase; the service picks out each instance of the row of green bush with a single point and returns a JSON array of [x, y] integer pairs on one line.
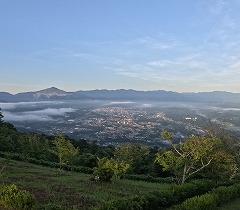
[[14, 198], [19, 157], [148, 178], [210, 200], [162, 199]]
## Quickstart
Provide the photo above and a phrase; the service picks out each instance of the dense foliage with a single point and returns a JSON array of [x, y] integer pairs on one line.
[[210, 200], [109, 169], [194, 155], [64, 150], [163, 199], [14, 198]]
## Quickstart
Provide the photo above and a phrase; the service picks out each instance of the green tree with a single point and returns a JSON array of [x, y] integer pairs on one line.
[[109, 169], [133, 154], [64, 150], [226, 160], [1, 116], [86, 160], [188, 157], [34, 145], [224, 165]]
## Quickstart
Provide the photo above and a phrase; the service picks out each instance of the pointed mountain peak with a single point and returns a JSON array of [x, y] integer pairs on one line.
[[50, 92]]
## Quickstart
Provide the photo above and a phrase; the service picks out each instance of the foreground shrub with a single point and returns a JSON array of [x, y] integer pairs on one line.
[[226, 194], [210, 200], [203, 202], [12, 197], [109, 169], [162, 199]]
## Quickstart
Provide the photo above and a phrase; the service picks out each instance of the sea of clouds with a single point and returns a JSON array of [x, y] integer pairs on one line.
[[11, 114]]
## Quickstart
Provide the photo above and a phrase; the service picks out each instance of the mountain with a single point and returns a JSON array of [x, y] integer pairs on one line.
[[46, 94], [5, 97], [133, 95], [50, 93], [215, 96], [54, 93]]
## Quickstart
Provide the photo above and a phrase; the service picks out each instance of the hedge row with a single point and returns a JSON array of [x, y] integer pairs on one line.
[[12, 197], [210, 200], [162, 199], [148, 178], [19, 157]]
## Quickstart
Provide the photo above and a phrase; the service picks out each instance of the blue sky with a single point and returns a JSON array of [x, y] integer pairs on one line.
[[177, 45]]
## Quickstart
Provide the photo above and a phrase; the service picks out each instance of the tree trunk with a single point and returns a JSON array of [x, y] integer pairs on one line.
[[184, 173], [60, 163]]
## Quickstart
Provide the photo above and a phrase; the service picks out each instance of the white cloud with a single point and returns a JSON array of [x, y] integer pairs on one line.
[[195, 70], [9, 106], [66, 53], [12, 117], [51, 112], [158, 43], [38, 115], [79, 55]]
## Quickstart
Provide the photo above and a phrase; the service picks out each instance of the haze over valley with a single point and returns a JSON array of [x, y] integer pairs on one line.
[[117, 116]]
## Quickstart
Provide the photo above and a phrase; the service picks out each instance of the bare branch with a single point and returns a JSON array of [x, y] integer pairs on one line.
[[200, 168]]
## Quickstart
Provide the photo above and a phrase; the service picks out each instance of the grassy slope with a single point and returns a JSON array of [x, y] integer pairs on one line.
[[70, 188], [232, 205]]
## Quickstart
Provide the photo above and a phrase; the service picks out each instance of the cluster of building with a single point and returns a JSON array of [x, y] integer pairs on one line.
[[114, 125]]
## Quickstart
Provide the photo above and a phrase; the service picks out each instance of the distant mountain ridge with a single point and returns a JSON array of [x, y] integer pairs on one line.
[[54, 93], [50, 92]]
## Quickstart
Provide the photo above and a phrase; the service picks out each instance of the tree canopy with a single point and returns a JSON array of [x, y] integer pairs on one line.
[[109, 169], [193, 155], [63, 149]]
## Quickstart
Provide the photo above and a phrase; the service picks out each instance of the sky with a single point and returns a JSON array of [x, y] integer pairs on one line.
[[174, 45]]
